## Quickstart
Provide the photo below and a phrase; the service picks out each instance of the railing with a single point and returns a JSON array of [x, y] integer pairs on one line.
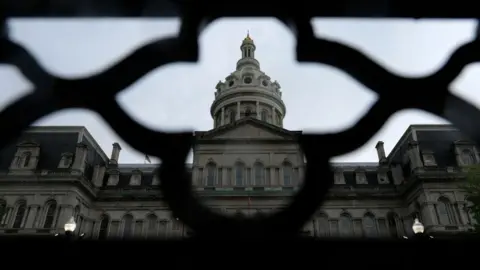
[[97, 93]]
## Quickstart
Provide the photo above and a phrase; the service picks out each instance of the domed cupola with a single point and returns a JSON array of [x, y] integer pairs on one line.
[[248, 92]]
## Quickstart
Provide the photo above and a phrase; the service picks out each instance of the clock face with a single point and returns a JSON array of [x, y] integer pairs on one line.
[[265, 83], [247, 80]]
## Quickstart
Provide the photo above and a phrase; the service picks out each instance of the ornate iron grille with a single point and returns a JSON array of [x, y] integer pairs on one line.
[[54, 93]]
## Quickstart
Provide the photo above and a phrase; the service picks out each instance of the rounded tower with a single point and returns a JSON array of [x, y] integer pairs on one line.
[[248, 92]]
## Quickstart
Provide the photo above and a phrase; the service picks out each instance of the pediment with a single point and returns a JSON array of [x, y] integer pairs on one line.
[[249, 129]]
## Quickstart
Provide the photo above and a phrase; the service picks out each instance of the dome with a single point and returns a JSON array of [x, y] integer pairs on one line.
[[248, 92]]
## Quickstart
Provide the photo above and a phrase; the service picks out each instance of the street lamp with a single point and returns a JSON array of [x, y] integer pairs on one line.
[[70, 227], [183, 227], [419, 230], [418, 227]]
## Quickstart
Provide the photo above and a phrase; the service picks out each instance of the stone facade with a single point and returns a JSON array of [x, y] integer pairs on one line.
[[247, 164]]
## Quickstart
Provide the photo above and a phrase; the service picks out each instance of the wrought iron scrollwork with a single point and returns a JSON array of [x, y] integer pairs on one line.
[[97, 93]]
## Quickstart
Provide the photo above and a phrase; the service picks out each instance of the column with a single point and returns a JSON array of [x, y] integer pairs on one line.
[[274, 116], [273, 173], [429, 214], [37, 218], [8, 216], [95, 229], [224, 176], [222, 121], [257, 109], [238, 110], [31, 216], [24, 220], [280, 177], [463, 215]]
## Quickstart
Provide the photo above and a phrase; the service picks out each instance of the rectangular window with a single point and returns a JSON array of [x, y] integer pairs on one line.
[[239, 176]]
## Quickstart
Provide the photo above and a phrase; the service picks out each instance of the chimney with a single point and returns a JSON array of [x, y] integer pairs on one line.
[[381, 152], [115, 153]]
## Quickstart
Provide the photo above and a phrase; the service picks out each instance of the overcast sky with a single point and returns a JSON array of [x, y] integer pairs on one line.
[[318, 98]]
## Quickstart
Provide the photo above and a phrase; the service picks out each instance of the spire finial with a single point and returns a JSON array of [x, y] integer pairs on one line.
[[248, 38]]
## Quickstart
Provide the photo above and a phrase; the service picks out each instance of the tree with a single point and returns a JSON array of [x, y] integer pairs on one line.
[[472, 188]]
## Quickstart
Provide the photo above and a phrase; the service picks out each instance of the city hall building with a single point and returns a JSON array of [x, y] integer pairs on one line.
[[247, 164]]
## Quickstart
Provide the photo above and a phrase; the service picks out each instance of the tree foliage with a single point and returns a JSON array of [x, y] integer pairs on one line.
[[472, 188]]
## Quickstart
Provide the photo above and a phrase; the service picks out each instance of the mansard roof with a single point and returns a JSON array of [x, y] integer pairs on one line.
[[53, 142], [439, 139]]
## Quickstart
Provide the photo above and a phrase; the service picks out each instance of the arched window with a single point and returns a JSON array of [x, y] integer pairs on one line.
[[467, 157], [239, 173], [323, 226], [279, 120], [392, 224], [259, 171], [232, 116], [20, 215], [151, 226], [369, 225], [127, 226], [287, 174], [26, 159], [345, 225], [103, 233], [3, 211], [211, 171], [50, 214], [444, 211], [263, 116]]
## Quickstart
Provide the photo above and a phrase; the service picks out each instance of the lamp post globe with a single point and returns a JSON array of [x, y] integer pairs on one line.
[[418, 227], [70, 226]]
